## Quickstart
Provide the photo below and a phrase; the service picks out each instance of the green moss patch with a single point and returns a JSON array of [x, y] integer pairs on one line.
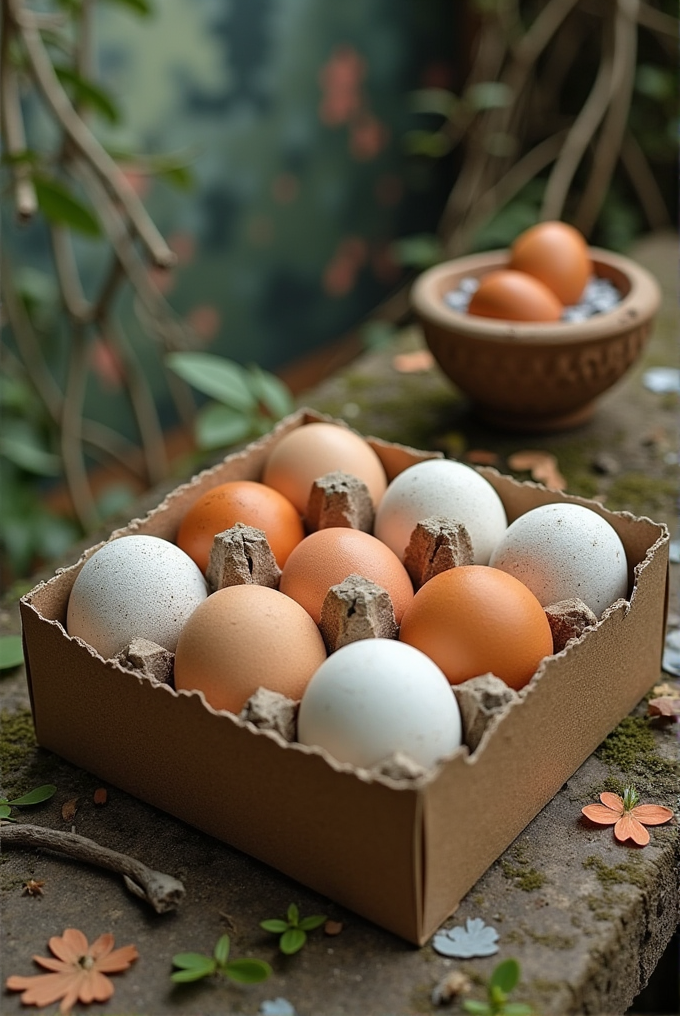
[[632, 749], [626, 873]]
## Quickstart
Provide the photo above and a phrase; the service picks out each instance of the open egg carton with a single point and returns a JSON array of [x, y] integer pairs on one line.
[[399, 842]]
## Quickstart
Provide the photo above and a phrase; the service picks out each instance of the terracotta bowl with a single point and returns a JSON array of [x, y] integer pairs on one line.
[[535, 376]]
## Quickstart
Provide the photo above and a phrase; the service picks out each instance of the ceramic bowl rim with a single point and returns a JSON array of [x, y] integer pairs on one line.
[[638, 305]]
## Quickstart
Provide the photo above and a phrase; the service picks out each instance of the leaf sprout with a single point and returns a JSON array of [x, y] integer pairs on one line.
[[36, 796], [293, 930], [502, 981], [193, 966]]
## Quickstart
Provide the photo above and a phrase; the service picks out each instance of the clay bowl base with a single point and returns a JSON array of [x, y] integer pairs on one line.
[[530, 423]]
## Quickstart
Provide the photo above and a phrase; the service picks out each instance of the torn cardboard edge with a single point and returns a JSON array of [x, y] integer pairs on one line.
[[402, 853]]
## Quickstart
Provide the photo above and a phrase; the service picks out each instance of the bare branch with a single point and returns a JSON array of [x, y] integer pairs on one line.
[[644, 182], [68, 276], [13, 128], [578, 139], [163, 892], [60, 104], [614, 126]]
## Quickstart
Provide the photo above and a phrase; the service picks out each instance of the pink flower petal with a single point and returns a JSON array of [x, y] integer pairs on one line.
[[612, 801], [70, 947], [598, 813], [652, 814]]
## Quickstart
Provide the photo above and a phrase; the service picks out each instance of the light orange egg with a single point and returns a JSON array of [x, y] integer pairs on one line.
[[328, 557], [557, 254], [514, 296], [246, 637], [244, 501], [308, 453], [471, 621]]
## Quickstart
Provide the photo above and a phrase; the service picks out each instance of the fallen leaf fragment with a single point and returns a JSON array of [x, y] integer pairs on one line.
[[78, 972], [332, 927], [413, 363], [100, 795], [664, 705], [627, 816], [69, 809], [542, 466], [482, 457], [660, 690], [32, 887]]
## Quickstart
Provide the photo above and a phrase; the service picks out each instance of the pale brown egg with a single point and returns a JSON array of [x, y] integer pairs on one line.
[[308, 453], [514, 296], [329, 556], [557, 255], [246, 637]]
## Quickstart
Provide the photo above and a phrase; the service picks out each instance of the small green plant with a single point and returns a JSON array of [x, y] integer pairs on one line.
[[247, 400], [194, 966], [293, 930], [502, 981], [11, 652], [32, 797]]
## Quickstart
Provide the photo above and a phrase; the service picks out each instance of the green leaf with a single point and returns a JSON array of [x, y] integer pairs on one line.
[[218, 426], [505, 976], [248, 971], [59, 206], [293, 914], [310, 923], [88, 94], [42, 793], [433, 144], [19, 158], [419, 251], [476, 1008], [488, 95], [141, 7], [221, 953], [177, 176], [292, 941], [11, 652], [222, 379], [433, 100], [194, 961], [270, 391], [5, 811], [275, 925], [22, 445], [517, 1009], [193, 974]]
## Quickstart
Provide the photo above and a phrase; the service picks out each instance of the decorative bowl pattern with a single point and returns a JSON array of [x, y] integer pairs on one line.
[[535, 376]]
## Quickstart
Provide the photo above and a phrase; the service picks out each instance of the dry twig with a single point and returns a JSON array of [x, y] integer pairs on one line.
[[163, 892]]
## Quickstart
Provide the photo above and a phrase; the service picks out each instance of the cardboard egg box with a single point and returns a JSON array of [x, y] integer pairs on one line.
[[402, 853]]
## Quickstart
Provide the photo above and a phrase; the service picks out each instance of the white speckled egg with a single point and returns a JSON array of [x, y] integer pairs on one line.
[[375, 697], [564, 550], [134, 587], [440, 487]]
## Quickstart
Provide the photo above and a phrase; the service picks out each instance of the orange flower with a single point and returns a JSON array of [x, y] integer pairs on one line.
[[627, 816], [78, 972]]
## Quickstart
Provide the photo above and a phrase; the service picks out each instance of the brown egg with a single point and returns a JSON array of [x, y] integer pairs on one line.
[[557, 255], [514, 296], [309, 452], [326, 558], [243, 638]]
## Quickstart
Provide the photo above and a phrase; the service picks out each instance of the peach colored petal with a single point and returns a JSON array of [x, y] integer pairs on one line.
[[612, 801], [628, 828], [102, 946], [43, 989], [71, 996], [50, 964], [652, 814], [118, 960], [70, 947], [95, 987], [598, 813], [664, 705]]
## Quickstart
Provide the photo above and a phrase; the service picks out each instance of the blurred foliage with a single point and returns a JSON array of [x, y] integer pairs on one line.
[[569, 111]]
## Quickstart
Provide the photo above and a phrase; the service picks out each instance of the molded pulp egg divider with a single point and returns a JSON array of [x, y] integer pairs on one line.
[[401, 854]]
